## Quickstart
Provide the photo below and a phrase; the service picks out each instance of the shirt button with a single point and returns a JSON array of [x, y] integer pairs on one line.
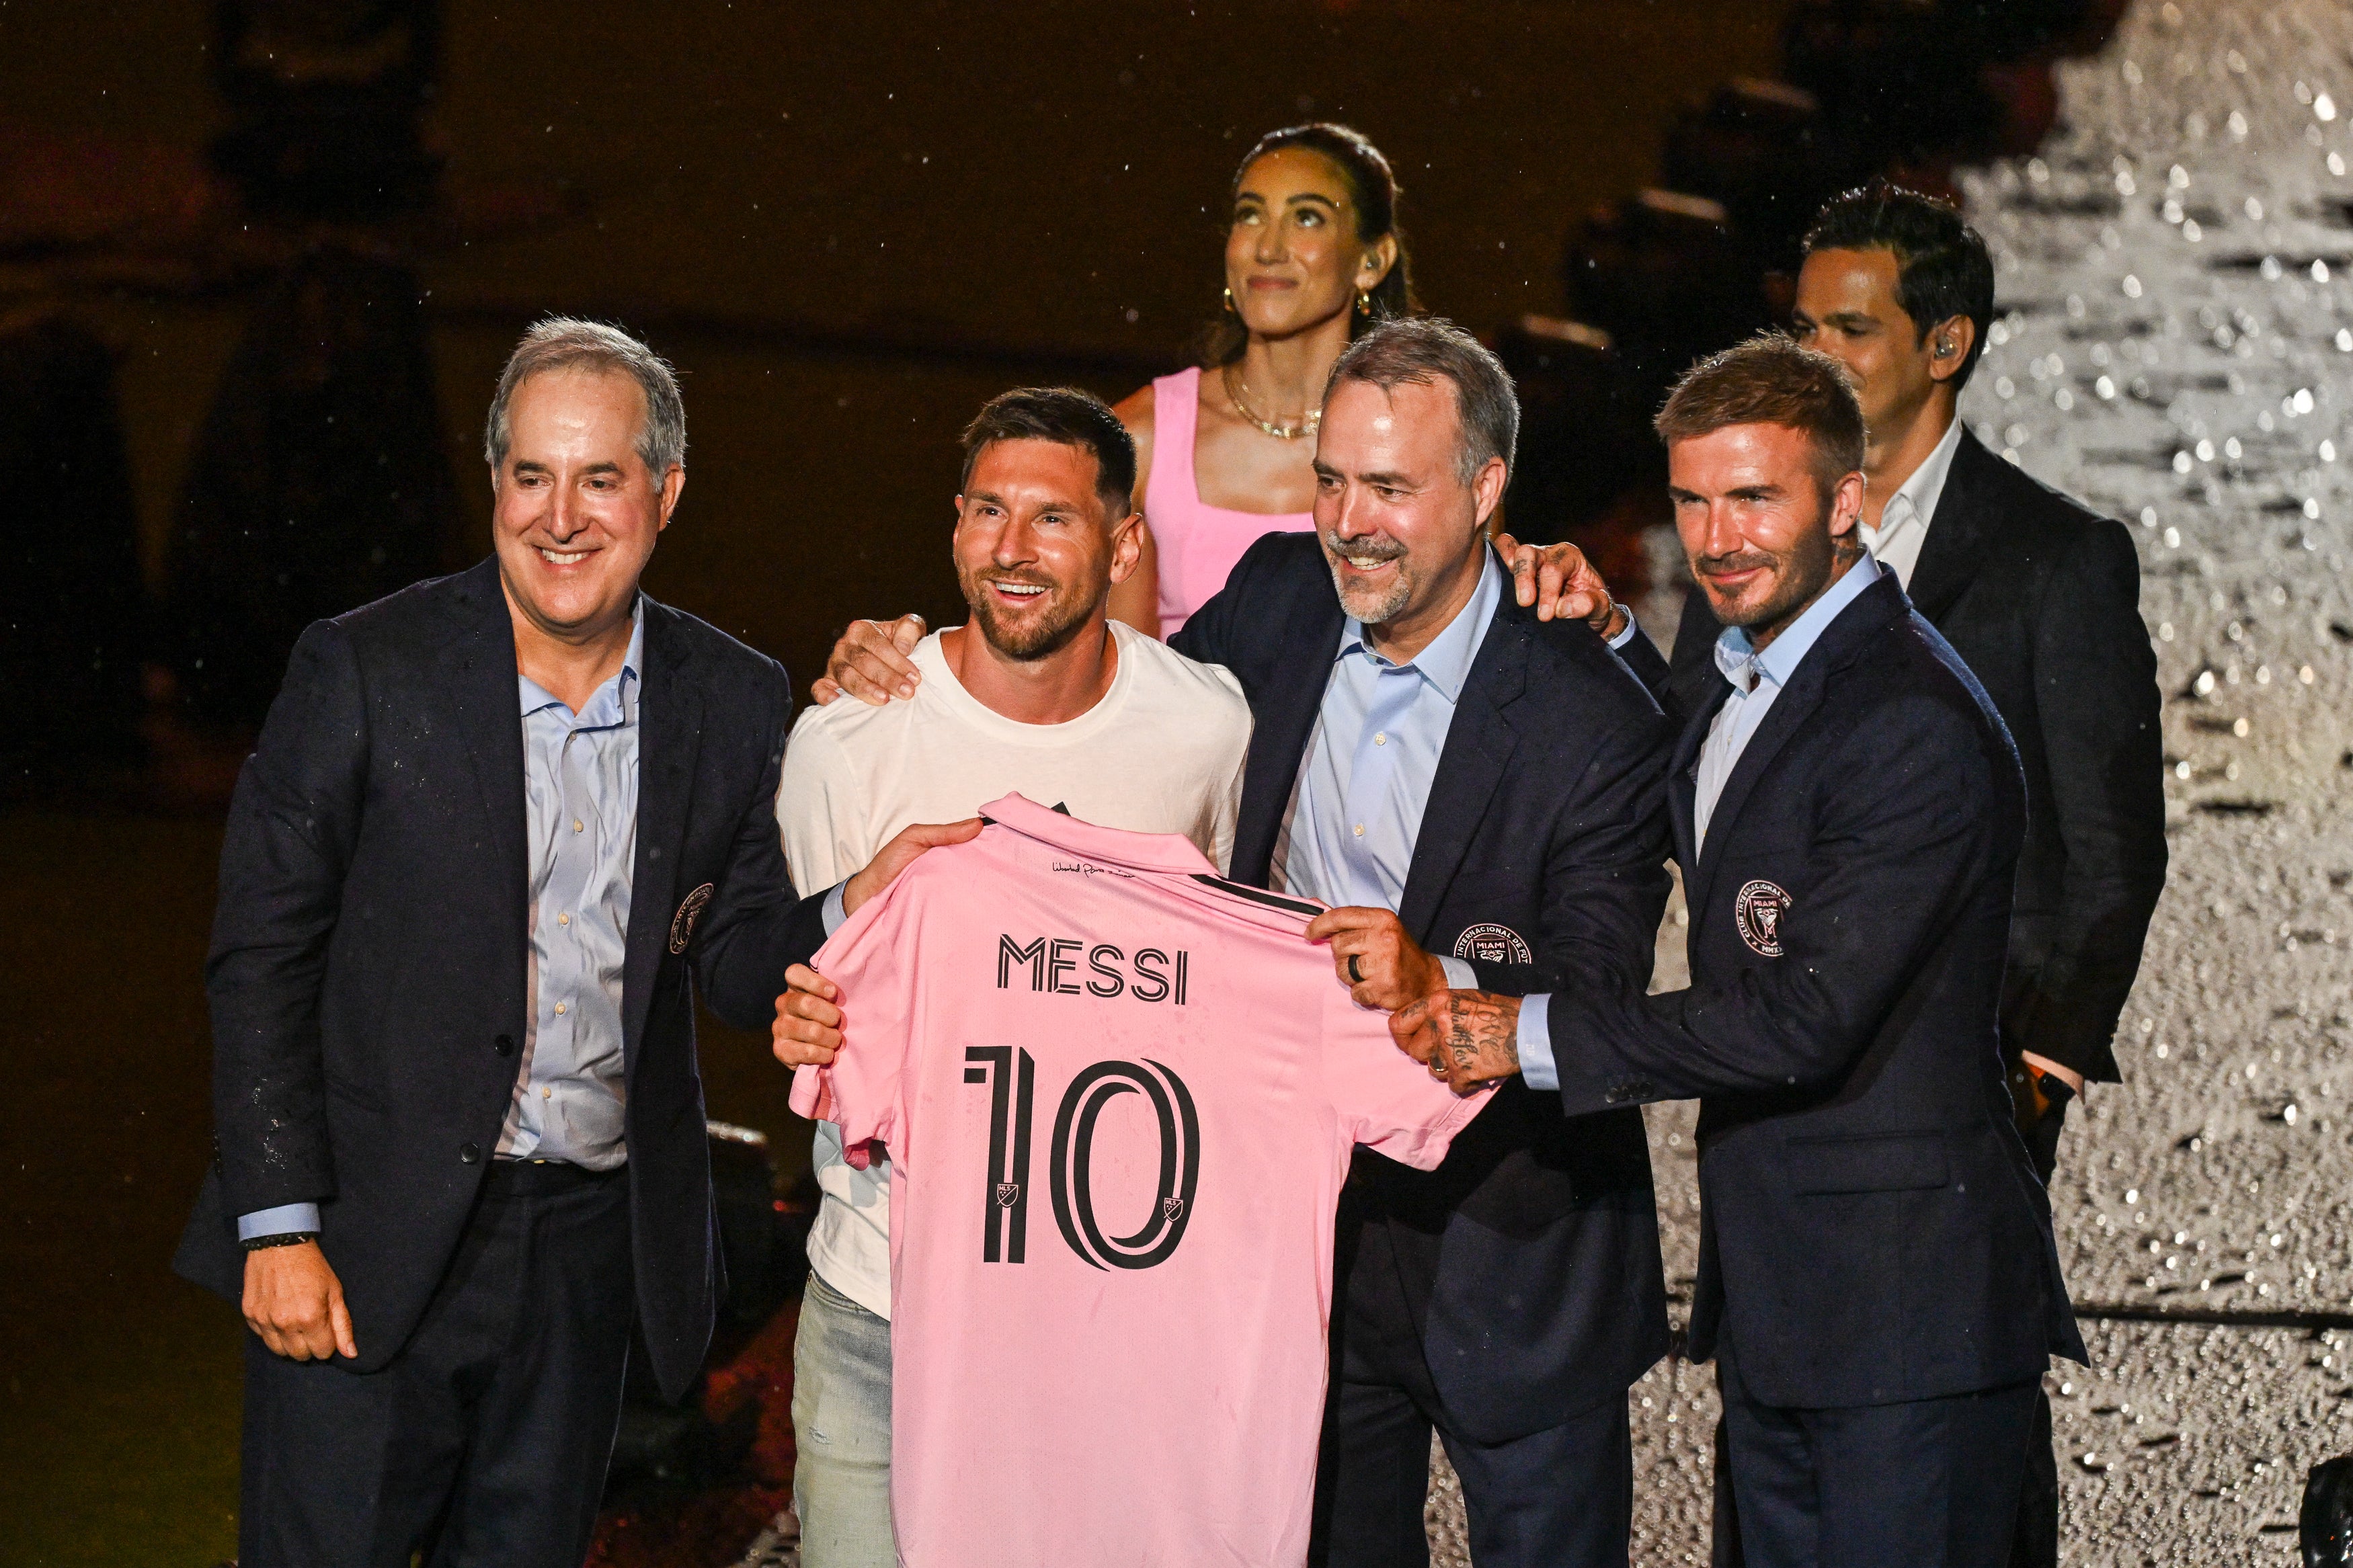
[[1380, 739], [564, 920], [547, 1093], [559, 1009], [576, 825], [469, 1153], [1360, 830]]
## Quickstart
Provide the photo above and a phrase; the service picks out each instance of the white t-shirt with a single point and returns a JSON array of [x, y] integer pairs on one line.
[[1162, 752]]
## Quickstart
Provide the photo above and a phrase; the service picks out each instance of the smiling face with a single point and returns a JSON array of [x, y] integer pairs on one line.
[[1037, 547], [1292, 257], [1762, 538], [1847, 307], [574, 510], [1399, 526]]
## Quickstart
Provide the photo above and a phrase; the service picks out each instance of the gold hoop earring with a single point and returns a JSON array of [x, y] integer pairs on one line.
[[1364, 302], [1230, 304]]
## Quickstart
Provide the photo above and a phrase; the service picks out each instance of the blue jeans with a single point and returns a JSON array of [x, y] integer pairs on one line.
[[841, 1427]]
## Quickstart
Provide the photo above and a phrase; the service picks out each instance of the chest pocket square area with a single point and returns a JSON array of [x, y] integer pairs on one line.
[[681, 925], [1488, 943]]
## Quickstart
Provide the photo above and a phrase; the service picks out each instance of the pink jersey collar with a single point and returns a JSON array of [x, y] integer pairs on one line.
[[1171, 852]]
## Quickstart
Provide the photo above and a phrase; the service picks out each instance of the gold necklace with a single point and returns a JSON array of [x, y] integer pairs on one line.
[[1238, 390]]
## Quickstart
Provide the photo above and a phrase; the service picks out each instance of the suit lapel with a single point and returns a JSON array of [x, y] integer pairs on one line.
[[1480, 741], [1283, 710], [1791, 710], [1957, 533], [480, 662], [1682, 777], [1808, 686], [669, 734]]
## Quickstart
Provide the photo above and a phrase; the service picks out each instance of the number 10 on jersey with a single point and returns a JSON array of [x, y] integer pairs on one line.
[[1011, 1076]]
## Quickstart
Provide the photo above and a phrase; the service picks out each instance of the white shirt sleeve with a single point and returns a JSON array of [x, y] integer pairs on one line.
[[820, 809]]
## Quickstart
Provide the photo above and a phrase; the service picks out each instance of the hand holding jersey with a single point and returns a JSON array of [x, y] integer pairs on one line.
[[1039, 694], [1061, 1020], [1471, 782]]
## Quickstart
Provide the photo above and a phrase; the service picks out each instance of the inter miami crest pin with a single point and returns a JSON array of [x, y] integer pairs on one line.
[[1758, 912], [681, 925], [1488, 943]]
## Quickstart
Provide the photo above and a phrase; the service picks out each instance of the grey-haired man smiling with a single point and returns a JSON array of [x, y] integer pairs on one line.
[[498, 830]]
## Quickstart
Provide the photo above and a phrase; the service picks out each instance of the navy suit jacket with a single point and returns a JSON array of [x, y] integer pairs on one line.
[[1532, 1255], [367, 972], [1872, 1230], [2042, 599]]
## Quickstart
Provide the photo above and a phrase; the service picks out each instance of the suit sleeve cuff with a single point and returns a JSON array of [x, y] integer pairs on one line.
[[1633, 629], [283, 1220], [1460, 975], [832, 912], [1536, 1065]]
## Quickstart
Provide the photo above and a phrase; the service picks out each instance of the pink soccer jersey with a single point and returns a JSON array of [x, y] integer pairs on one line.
[[1119, 1095]]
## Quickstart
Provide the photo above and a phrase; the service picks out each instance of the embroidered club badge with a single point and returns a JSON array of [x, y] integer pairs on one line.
[[1488, 943], [1757, 913], [681, 925]]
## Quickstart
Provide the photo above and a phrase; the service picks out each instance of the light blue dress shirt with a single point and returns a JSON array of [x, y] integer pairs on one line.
[[580, 795], [1757, 680], [1357, 805]]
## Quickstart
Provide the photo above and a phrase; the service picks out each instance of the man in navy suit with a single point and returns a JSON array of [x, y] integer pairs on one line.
[[498, 830], [1482, 791], [1877, 1280]]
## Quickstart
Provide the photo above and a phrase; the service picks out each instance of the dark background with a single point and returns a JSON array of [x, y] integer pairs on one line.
[[848, 225]]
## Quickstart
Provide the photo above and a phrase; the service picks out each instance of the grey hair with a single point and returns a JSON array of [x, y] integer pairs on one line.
[[566, 342], [1424, 349]]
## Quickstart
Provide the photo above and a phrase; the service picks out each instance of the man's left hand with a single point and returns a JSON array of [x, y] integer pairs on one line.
[[1382, 965], [1470, 1038], [1561, 584]]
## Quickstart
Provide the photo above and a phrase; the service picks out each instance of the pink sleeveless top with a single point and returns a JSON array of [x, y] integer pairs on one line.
[[1198, 543]]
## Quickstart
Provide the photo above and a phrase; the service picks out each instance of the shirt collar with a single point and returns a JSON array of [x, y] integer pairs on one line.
[[1142, 851], [1745, 668], [1915, 498], [1446, 662], [614, 702]]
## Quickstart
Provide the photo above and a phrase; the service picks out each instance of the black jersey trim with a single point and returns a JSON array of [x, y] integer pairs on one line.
[[1258, 895]]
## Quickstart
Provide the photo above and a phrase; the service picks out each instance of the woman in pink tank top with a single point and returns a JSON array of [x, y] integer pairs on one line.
[[1225, 451]]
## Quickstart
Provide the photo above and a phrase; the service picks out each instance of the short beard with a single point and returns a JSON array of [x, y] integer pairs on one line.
[[1799, 575], [1370, 607], [1058, 621]]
